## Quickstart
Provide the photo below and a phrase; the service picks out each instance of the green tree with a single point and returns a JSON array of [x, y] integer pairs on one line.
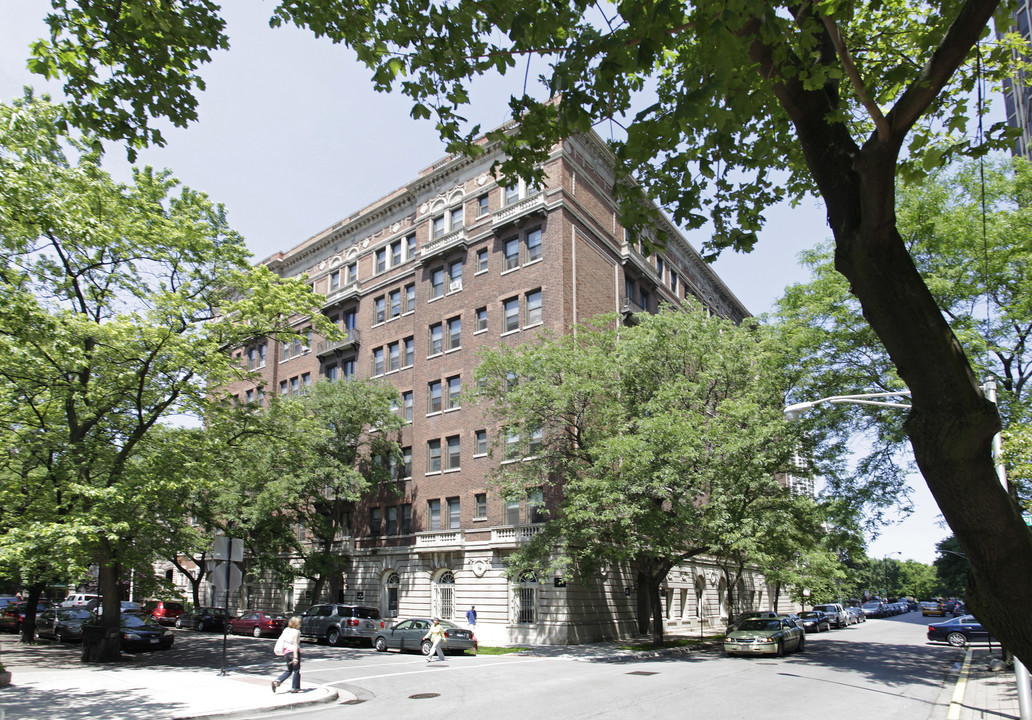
[[121, 301], [742, 104], [951, 568], [297, 471], [648, 445]]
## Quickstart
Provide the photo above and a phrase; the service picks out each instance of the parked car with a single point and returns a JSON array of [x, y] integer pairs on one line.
[[78, 599], [63, 624], [814, 621], [164, 611], [139, 632], [875, 609], [932, 607], [772, 636], [95, 605], [258, 623], [959, 631], [336, 623], [408, 635], [858, 614], [13, 615], [836, 614], [205, 618], [6, 600], [749, 615], [959, 609]]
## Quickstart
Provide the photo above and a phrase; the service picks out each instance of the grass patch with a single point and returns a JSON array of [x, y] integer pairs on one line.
[[670, 643], [482, 650]]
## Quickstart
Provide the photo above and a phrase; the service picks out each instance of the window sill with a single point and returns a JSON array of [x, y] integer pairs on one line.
[[453, 470], [431, 472], [510, 270], [509, 332]]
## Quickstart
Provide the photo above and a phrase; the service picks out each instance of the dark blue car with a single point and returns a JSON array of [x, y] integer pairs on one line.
[[959, 631]]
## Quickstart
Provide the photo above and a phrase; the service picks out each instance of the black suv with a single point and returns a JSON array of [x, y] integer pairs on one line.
[[336, 623]]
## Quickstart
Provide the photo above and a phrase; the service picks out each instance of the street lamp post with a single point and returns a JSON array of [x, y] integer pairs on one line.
[[794, 412]]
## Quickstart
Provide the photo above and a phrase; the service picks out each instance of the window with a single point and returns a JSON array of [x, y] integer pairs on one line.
[[536, 506], [674, 278], [256, 357], [334, 280], [406, 462], [455, 333], [436, 340], [480, 506], [512, 193], [511, 312], [410, 352], [481, 260], [306, 382], [295, 346], [394, 307], [378, 361], [392, 521], [350, 319], [374, 521], [436, 283], [480, 443], [534, 245], [660, 268], [351, 274], [410, 246], [455, 275], [512, 512], [433, 397], [347, 368], [381, 260], [396, 253], [512, 446], [393, 356], [453, 458], [458, 217], [511, 253], [406, 519], [533, 307], [524, 598], [249, 396], [408, 303], [433, 512], [406, 405], [295, 386], [380, 310], [437, 228], [454, 513], [443, 600], [537, 441], [482, 206], [433, 456], [480, 321], [454, 392]]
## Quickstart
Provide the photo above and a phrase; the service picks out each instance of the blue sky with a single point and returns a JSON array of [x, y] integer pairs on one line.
[[292, 138]]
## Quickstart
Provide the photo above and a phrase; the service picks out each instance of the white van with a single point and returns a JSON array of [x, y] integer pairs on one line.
[[77, 599]]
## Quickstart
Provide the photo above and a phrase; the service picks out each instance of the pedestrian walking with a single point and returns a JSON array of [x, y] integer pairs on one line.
[[471, 617], [289, 646], [436, 635]]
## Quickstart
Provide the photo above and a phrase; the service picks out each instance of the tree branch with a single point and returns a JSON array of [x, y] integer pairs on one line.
[[884, 130]]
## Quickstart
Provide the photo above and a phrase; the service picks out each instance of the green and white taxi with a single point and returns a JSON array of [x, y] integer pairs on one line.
[[765, 636]]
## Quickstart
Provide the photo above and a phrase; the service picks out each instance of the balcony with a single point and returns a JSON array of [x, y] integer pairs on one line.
[[519, 212], [440, 540], [345, 292], [513, 535], [438, 246], [328, 347]]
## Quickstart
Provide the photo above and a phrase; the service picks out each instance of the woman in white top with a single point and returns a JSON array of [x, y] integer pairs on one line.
[[289, 645]]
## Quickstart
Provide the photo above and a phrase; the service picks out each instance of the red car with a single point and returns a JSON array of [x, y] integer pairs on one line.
[[13, 615], [258, 623], [164, 611]]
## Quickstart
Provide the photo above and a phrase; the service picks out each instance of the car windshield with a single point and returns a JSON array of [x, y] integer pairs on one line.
[[759, 624], [871, 605], [808, 614], [73, 614], [133, 620]]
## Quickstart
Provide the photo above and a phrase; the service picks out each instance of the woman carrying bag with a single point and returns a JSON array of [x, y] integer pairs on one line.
[[289, 646]]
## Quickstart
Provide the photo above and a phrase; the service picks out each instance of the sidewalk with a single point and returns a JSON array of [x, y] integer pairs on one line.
[[975, 692], [50, 682]]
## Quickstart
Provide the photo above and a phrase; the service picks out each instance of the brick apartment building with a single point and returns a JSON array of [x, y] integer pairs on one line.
[[422, 279]]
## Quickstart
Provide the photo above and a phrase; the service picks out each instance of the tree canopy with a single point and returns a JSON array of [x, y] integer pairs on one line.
[[121, 302]]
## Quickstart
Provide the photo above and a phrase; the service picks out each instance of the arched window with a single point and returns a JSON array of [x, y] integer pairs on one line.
[[443, 604], [391, 582], [700, 596], [524, 598], [722, 598]]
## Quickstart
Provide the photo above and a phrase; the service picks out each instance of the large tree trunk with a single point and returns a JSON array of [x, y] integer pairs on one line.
[[28, 628], [106, 646], [951, 424]]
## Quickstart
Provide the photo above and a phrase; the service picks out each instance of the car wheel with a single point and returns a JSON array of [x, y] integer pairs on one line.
[[802, 643], [425, 647], [380, 644], [200, 625], [58, 637], [179, 624], [35, 636], [333, 637], [257, 632], [956, 639], [780, 652]]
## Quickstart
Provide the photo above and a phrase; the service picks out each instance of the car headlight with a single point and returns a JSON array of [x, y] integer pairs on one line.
[[131, 636], [167, 633]]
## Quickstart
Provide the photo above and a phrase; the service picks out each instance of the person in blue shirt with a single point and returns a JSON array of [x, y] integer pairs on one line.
[[471, 617]]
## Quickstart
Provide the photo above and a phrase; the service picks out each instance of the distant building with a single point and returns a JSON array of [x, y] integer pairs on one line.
[[1017, 94], [452, 262]]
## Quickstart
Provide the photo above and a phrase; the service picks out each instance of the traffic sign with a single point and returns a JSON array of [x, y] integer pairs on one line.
[[218, 577]]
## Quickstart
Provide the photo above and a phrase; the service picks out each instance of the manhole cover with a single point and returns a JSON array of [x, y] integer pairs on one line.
[[642, 672], [423, 696]]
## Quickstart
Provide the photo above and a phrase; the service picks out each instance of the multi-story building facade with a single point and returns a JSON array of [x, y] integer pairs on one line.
[[422, 279], [1017, 94]]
